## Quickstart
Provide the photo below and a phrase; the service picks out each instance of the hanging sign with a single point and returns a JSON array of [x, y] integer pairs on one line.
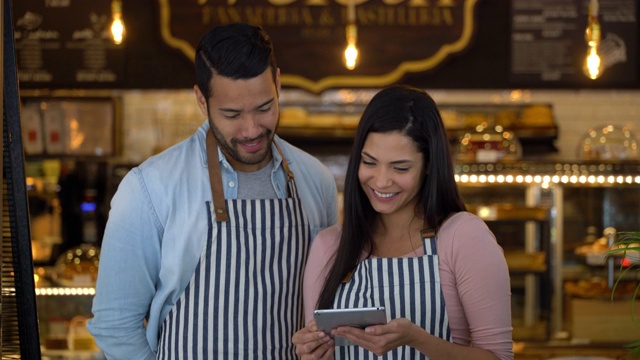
[[394, 37]]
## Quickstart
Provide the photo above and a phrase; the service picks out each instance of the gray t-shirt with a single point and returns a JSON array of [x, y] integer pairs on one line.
[[256, 184]]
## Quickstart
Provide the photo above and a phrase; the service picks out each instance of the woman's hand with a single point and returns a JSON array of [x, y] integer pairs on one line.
[[312, 344], [380, 339]]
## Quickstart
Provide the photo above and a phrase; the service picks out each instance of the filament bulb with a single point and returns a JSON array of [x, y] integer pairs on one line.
[[592, 67], [592, 64], [117, 30], [351, 52], [351, 56], [117, 26]]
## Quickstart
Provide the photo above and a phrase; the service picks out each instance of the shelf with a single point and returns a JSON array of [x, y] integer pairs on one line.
[[520, 261], [509, 212], [73, 354], [333, 133], [536, 331], [324, 134], [533, 124]]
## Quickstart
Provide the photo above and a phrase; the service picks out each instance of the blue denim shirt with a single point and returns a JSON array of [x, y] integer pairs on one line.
[[156, 231]]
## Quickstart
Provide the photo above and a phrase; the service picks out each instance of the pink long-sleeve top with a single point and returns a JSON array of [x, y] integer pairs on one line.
[[473, 274]]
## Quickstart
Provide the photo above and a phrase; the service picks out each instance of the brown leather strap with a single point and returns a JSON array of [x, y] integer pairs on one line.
[[427, 233], [215, 179], [287, 170]]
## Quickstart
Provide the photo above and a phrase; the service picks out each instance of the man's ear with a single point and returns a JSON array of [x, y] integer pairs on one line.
[[201, 100]]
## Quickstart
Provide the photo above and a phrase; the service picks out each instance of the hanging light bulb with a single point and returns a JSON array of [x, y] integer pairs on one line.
[[117, 26], [351, 51], [593, 66]]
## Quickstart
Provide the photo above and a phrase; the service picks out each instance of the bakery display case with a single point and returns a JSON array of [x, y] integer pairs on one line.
[[599, 289], [63, 312], [539, 209], [546, 215], [64, 296], [560, 208], [519, 215]]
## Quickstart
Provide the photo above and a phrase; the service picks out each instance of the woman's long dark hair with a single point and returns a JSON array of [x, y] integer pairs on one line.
[[413, 113]]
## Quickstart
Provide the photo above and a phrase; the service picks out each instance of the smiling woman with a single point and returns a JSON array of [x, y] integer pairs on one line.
[[407, 244]]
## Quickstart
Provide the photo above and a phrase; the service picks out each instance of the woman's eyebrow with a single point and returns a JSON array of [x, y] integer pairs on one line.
[[395, 162]]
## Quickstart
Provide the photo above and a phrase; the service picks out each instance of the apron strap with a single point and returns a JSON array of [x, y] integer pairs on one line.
[[427, 233], [215, 179], [287, 170]]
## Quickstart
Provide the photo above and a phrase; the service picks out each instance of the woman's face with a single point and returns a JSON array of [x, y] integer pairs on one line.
[[390, 172]]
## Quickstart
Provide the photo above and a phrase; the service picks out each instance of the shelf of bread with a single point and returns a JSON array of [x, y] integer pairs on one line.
[[299, 118], [521, 261], [532, 120], [509, 212], [598, 288], [527, 121]]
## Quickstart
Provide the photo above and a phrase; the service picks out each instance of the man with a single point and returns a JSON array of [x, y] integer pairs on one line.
[[205, 245]]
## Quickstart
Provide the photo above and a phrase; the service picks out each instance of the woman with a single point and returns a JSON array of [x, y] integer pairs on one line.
[[407, 243]]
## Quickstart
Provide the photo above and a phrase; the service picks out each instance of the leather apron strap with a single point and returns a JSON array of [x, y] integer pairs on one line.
[[287, 170], [215, 179]]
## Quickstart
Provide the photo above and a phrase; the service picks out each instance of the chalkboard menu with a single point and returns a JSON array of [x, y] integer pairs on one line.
[[66, 43], [548, 41]]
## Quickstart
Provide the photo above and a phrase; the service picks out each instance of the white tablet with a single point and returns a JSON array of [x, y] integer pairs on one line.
[[328, 319]]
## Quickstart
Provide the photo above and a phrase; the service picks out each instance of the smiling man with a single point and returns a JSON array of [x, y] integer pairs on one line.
[[206, 242]]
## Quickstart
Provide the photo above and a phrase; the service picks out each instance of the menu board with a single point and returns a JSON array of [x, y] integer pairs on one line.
[[548, 41], [66, 42]]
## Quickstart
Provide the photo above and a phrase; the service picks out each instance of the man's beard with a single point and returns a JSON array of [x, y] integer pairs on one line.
[[231, 149]]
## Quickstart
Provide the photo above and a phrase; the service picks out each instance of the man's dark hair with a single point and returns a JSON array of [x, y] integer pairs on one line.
[[236, 51]]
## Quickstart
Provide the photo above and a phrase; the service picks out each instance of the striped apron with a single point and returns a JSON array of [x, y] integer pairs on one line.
[[244, 298], [407, 288]]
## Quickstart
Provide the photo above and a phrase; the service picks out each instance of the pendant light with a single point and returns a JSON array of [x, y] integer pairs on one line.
[[351, 51], [117, 26], [593, 67]]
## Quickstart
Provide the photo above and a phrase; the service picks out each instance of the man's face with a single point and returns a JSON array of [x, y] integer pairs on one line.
[[243, 115]]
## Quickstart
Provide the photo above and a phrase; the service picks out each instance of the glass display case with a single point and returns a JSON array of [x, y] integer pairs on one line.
[[546, 210], [63, 312], [542, 212], [520, 216]]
